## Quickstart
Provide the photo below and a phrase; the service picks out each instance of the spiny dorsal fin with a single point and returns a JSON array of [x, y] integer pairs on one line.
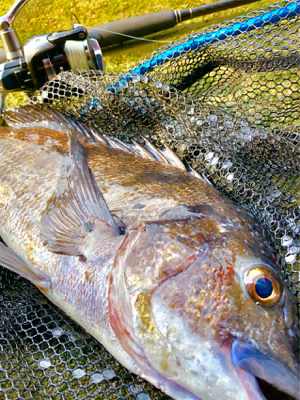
[[118, 144], [157, 155], [28, 116], [43, 115], [173, 158], [78, 207]]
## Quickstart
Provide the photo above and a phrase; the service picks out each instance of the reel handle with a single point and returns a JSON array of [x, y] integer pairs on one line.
[[28, 67], [10, 39], [42, 57]]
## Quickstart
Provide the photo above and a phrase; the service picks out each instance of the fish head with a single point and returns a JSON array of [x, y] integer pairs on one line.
[[205, 307]]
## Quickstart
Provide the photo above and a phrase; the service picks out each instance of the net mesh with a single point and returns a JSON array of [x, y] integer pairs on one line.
[[226, 100]]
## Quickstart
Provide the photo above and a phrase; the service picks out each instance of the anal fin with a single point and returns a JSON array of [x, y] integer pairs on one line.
[[10, 260]]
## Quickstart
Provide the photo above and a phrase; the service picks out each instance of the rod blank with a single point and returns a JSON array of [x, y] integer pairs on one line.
[[148, 24], [151, 23]]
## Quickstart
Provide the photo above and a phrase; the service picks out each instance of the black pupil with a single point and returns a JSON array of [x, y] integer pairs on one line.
[[264, 287]]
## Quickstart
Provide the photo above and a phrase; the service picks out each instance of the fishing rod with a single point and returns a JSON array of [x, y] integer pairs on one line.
[[27, 68], [120, 31], [116, 32]]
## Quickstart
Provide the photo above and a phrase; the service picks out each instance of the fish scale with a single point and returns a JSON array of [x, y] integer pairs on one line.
[[23, 209], [236, 123], [126, 286]]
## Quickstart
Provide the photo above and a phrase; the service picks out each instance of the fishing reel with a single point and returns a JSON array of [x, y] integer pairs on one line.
[[29, 67]]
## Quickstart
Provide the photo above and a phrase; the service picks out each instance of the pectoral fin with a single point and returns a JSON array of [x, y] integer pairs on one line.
[[10, 260], [78, 208]]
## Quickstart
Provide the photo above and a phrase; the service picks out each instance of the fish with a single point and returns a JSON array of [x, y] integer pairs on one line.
[[174, 279]]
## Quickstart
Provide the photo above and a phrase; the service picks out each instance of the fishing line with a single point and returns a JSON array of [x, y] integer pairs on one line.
[[133, 37]]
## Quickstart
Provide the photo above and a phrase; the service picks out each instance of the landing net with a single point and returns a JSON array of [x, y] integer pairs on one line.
[[226, 100]]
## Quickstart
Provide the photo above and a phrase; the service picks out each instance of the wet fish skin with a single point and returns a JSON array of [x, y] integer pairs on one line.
[[197, 294], [169, 294]]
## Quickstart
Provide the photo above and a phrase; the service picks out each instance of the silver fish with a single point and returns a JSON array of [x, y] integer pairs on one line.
[[172, 278]]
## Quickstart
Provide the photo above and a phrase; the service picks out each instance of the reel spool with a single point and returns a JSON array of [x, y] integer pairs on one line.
[[85, 54], [29, 67]]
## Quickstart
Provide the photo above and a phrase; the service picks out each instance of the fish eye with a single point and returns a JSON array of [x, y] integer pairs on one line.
[[263, 285]]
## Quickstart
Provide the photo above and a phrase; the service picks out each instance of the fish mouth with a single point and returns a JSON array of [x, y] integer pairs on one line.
[[263, 377], [270, 392]]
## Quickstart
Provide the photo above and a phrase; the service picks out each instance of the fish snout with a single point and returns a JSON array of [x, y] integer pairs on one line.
[[246, 358]]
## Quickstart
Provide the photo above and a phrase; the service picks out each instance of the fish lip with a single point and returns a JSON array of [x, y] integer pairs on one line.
[[250, 364]]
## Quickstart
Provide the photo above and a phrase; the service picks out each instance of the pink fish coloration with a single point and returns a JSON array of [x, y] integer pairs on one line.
[[176, 281]]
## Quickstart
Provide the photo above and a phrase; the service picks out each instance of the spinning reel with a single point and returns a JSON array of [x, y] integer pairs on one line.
[[28, 67]]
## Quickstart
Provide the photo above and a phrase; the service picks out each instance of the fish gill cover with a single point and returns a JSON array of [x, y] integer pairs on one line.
[[226, 100]]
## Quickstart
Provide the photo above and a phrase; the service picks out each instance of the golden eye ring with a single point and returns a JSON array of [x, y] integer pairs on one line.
[[263, 285]]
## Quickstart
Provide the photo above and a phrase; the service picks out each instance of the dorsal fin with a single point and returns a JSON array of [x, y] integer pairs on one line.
[[46, 116], [173, 158], [155, 152], [118, 144], [28, 116], [77, 208], [141, 151]]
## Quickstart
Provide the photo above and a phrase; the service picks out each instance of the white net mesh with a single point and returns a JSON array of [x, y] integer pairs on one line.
[[226, 100]]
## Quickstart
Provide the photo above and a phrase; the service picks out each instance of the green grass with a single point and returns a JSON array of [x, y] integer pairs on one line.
[[45, 16]]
